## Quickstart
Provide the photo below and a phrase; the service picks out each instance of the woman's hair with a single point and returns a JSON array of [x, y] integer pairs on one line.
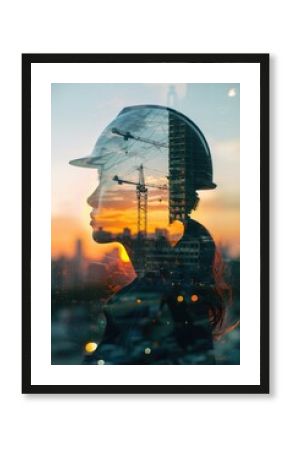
[[221, 299]]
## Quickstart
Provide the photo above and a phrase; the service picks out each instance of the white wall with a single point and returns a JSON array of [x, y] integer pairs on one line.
[[222, 422]]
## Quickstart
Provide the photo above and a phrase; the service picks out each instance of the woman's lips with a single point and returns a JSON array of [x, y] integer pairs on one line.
[[92, 216]]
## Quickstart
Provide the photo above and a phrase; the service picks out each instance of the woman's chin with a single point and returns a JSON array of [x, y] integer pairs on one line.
[[100, 240]]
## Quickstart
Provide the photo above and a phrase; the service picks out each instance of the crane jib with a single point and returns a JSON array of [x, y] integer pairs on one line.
[[127, 135]]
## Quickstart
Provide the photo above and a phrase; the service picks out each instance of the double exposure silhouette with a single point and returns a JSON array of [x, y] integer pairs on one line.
[[151, 162]]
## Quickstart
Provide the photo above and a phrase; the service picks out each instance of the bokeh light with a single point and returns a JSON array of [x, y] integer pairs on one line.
[[91, 347]]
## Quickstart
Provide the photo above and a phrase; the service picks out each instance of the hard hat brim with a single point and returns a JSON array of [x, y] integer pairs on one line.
[[88, 162]]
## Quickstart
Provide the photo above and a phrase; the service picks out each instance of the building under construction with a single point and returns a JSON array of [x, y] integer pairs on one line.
[[190, 167]]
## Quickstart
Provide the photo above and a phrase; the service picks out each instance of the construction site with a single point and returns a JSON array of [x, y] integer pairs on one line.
[[168, 313]]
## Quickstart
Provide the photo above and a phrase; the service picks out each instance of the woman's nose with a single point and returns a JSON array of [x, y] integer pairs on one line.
[[94, 199]]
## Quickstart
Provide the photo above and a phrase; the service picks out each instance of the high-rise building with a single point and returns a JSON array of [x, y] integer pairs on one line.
[[190, 167], [181, 172]]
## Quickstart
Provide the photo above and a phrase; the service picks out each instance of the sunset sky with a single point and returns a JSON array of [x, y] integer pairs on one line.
[[80, 112]]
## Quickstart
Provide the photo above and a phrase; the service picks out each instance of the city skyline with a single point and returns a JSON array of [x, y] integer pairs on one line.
[[79, 271]]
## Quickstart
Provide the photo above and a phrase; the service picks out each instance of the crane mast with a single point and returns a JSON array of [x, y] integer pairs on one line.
[[142, 202], [142, 199]]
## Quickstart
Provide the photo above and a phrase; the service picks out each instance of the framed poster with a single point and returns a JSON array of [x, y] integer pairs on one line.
[[145, 219]]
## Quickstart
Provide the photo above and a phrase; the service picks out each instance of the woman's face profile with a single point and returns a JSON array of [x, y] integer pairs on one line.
[[148, 176]]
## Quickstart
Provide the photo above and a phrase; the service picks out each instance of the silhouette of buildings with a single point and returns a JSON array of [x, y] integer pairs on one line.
[[68, 272], [79, 272], [158, 257]]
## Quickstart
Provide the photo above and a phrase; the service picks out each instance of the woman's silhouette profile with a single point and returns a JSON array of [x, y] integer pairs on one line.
[[151, 162]]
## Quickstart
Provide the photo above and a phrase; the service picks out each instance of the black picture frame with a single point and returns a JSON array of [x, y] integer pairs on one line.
[[263, 61]]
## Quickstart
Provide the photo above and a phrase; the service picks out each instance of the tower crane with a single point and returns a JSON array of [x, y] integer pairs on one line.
[[142, 198], [127, 135]]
